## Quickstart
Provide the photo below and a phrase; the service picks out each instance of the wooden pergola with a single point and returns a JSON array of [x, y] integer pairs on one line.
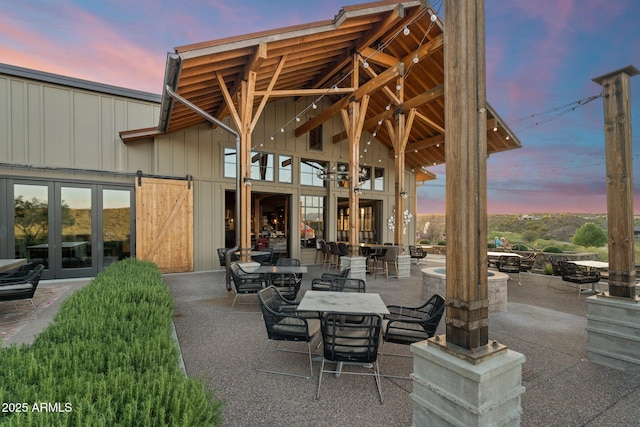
[[380, 66]]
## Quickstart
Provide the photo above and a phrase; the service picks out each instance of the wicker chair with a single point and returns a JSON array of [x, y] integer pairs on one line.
[[19, 286], [287, 283], [407, 325], [351, 344], [417, 253], [244, 282], [323, 283], [284, 324]]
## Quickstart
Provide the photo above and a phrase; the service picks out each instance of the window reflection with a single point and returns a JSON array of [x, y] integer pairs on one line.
[[230, 159], [31, 222], [312, 217], [378, 183], [309, 172], [285, 169], [116, 228], [76, 227], [261, 166]]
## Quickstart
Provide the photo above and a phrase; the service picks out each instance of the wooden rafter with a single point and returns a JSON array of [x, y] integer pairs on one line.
[[366, 89]]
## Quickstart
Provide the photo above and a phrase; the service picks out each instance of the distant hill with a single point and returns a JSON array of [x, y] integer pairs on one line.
[[559, 227]]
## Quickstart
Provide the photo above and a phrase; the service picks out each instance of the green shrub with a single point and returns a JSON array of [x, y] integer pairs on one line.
[[442, 243], [590, 234], [425, 242], [553, 249], [108, 359]]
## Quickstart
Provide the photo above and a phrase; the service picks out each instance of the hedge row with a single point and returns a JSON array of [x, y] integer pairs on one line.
[[107, 359]]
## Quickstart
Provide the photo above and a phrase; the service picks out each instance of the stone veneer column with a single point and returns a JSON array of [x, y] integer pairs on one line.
[[358, 266]]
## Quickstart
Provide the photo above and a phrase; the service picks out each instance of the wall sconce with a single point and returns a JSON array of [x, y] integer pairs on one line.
[[247, 181], [404, 194], [357, 190]]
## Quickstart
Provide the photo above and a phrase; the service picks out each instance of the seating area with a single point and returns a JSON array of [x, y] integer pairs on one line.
[[578, 274], [20, 283]]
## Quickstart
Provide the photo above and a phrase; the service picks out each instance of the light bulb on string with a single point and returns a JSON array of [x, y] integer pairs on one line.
[[282, 129], [365, 64], [416, 59], [434, 18], [297, 118], [406, 31], [314, 106], [388, 107]]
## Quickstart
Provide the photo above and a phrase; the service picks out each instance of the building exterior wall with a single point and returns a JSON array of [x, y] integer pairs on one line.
[[66, 132]]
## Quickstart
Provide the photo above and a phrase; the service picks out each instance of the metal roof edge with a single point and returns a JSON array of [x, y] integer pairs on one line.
[[42, 76]]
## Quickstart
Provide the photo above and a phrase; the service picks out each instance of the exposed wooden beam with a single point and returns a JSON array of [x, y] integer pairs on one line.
[[372, 56], [430, 123], [365, 41], [304, 92], [229, 101], [366, 89], [265, 97]]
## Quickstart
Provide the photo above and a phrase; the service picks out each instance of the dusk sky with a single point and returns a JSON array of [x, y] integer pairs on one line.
[[541, 58]]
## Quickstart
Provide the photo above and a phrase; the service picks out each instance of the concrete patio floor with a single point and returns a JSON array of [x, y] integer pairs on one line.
[[545, 320]]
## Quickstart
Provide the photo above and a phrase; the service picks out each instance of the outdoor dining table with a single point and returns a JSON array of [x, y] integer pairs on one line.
[[591, 264], [10, 264], [342, 302]]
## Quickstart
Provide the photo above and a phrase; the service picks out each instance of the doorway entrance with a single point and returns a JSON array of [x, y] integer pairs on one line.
[[270, 221]]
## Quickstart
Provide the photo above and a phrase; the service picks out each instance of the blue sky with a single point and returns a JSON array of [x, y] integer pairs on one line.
[[541, 57]]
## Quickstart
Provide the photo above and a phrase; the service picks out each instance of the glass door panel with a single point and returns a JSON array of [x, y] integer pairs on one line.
[[76, 227], [31, 222], [116, 225]]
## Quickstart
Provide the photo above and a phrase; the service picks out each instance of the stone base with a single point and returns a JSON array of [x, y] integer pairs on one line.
[[451, 391], [404, 266], [434, 281], [613, 332], [358, 266]]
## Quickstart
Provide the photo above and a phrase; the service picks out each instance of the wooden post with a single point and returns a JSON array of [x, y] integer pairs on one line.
[[617, 131], [467, 315]]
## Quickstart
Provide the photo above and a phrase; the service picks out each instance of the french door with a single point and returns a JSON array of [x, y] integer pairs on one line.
[[74, 229]]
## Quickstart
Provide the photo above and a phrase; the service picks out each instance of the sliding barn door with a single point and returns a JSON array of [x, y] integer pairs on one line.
[[164, 223]]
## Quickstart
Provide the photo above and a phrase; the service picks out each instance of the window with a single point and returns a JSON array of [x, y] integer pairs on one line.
[[365, 178], [261, 166], [285, 169], [309, 172], [312, 220], [230, 160], [378, 183], [315, 139]]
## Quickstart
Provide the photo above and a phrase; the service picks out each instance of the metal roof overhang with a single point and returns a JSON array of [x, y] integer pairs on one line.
[[309, 60]]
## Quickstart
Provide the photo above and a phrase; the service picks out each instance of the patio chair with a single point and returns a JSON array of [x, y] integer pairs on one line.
[[578, 274], [221, 259], [265, 259], [284, 324], [17, 272], [319, 250], [407, 325], [526, 263], [326, 253], [351, 344], [348, 284], [555, 264], [244, 283], [334, 260], [382, 262], [287, 283], [323, 283], [417, 253], [508, 264], [18, 287]]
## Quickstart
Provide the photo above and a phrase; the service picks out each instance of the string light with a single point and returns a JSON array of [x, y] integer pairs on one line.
[[406, 31]]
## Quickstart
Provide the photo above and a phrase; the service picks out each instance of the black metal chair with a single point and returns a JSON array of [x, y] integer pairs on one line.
[[555, 264], [417, 253], [508, 264], [287, 283], [265, 259], [578, 274], [284, 324], [348, 284], [18, 286], [351, 344], [221, 259], [407, 325], [244, 282], [323, 283]]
